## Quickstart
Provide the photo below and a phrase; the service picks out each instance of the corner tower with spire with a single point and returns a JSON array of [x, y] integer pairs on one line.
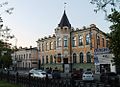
[[62, 33], [64, 21]]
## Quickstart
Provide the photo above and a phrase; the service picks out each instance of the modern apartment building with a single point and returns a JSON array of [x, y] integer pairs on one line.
[[71, 46]]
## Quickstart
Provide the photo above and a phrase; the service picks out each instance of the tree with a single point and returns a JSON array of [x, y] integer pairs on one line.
[[5, 51], [105, 5], [6, 60], [114, 17], [5, 55], [115, 36]]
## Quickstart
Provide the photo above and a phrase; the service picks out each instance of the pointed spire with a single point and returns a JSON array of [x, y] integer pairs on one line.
[[64, 21]]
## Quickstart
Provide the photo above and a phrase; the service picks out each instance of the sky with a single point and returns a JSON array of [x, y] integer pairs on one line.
[[34, 19]]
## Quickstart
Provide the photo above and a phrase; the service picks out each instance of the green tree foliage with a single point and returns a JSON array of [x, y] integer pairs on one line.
[[105, 5], [6, 60], [114, 18], [5, 55], [112, 7]]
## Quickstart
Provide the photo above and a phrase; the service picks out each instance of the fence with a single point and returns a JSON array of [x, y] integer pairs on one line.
[[28, 81]]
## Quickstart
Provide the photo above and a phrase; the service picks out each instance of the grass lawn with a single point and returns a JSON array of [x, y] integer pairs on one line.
[[6, 84]]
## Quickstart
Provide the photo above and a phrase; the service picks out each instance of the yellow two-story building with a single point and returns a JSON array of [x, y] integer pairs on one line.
[[71, 46]]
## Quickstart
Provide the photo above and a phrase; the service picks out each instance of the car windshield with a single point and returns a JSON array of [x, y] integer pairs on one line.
[[37, 73], [43, 73], [88, 72]]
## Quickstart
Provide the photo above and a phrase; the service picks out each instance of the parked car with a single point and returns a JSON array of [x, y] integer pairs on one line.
[[109, 77], [76, 74], [56, 74], [34, 70], [87, 76], [49, 74], [40, 74]]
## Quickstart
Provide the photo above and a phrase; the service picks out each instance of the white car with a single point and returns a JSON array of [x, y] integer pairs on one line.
[[40, 74], [88, 76], [34, 70], [49, 75]]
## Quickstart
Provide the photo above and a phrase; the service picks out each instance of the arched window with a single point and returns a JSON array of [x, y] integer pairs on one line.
[[46, 59], [51, 59], [88, 57], [81, 57], [103, 42], [74, 58], [59, 58], [98, 40], [87, 39]]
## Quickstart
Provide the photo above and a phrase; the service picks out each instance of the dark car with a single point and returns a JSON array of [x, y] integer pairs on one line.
[[56, 74], [76, 74], [109, 77]]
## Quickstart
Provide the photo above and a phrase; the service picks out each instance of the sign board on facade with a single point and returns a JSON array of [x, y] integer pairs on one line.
[[102, 55], [101, 51]]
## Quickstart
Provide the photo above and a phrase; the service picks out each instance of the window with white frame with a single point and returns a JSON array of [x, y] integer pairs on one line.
[[87, 39], [88, 57], [103, 42], [54, 44], [47, 46], [65, 41], [81, 57], [80, 40], [39, 47], [51, 45], [29, 55], [58, 42], [74, 58], [42, 47], [73, 41], [26, 56], [98, 40]]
